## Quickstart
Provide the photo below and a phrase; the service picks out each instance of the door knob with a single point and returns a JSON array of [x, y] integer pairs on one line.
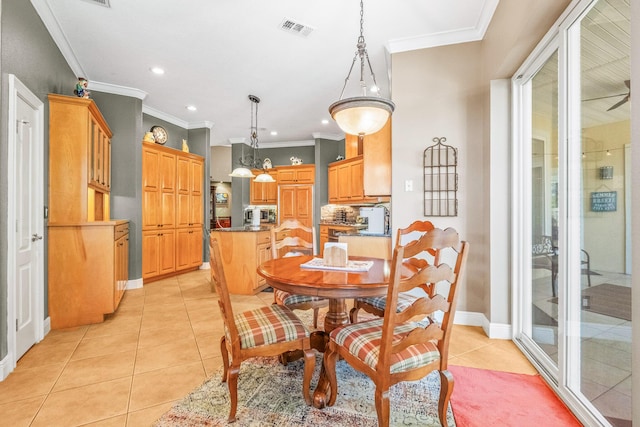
[[35, 237]]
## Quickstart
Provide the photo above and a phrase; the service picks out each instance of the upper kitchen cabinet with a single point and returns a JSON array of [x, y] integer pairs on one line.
[[79, 161], [365, 175], [158, 188], [302, 174], [264, 193], [189, 169]]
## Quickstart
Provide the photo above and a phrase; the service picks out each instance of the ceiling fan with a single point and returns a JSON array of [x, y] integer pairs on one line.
[[624, 100]]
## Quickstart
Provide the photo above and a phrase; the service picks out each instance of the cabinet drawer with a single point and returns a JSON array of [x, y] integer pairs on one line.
[[263, 237], [121, 230]]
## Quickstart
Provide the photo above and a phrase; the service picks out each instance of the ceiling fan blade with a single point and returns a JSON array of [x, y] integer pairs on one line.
[[627, 83], [603, 97], [619, 103]]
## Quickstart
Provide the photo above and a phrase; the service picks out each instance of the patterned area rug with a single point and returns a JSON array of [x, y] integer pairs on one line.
[[269, 394]]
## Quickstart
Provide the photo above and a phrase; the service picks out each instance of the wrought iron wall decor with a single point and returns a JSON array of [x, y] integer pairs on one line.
[[440, 179]]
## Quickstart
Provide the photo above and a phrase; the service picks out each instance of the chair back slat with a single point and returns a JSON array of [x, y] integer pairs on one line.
[[443, 275], [300, 238], [219, 282]]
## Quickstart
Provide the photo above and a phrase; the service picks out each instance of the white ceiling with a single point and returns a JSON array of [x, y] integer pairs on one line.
[[217, 52]]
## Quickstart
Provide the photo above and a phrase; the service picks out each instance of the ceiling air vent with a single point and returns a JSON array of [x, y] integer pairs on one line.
[[293, 27], [104, 3]]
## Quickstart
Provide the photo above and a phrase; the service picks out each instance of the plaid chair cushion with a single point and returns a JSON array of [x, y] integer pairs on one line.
[[404, 301], [291, 299], [268, 325], [363, 341]]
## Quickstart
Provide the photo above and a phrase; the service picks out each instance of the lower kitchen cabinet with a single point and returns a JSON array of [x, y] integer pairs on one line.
[[88, 271], [158, 253], [188, 248], [242, 253]]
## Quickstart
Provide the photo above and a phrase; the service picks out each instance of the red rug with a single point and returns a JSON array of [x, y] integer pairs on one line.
[[492, 398]]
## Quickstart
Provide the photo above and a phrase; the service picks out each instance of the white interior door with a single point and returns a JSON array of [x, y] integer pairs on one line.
[[26, 212]]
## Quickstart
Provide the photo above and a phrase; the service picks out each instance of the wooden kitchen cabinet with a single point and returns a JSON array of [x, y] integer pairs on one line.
[[242, 253], [188, 248], [158, 253], [264, 193], [365, 175], [79, 161], [172, 211], [346, 179], [189, 190], [296, 202], [303, 174], [88, 253], [324, 238], [88, 271]]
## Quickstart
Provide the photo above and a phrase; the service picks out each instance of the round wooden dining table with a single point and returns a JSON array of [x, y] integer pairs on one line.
[[287, 275]]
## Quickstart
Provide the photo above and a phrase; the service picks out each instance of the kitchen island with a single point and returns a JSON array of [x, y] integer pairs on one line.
[[243, 249]]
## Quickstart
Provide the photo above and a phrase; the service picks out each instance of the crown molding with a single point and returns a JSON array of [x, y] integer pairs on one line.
[[117, 90], [199, 125], [164, 116], [53, 26], [331, 136], [449, 37]]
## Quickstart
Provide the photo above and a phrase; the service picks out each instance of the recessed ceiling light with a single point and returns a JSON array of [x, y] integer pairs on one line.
[[191, 108], [325, 121], [157, 70], [274, 132]]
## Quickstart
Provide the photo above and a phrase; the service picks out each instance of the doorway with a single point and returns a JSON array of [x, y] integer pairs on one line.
[[25, 272]]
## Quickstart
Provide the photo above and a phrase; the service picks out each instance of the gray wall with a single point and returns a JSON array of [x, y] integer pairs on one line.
[[28, 52], [124, 116]]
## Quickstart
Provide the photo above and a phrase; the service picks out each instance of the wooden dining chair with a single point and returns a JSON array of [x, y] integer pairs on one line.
[[393, 348], [292, 238], [266, 331], [377, 305]]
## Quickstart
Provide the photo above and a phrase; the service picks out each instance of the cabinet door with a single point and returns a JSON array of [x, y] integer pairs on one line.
[[188, 248], [305, 175], [357, 188], [121, 268], [150, 254], [167, 251], [344, 182], [287, 207], [304, 204], [263, 255], [333, 184]]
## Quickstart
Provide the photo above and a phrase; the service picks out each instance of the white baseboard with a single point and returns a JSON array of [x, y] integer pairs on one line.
[[6, 366], [205, 266], [46, 326], [134, 284], [498, 331]]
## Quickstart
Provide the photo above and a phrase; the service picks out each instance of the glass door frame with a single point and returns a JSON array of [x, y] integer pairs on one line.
[[564, 377]]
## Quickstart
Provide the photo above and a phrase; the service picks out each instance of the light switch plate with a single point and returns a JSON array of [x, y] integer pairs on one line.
[[408, 185]]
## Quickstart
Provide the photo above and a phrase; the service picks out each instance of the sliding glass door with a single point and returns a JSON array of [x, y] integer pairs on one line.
[[572, 209]]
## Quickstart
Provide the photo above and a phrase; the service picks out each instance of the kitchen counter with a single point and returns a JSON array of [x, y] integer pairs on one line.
[[245, 228]]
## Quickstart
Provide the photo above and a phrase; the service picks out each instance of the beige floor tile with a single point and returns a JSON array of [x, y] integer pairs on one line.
[[86, 404], [100, 346], [58, 336], [147, 416], [499, 357], [118, 324], [172, 306], [202, 304], [119, 421], [153, 337], [209, 345], [20, 413], [467, 338], [26, 383], [165, 385], [44, 354], [93, 370], [161, 319], [178, 352], [212, 365]]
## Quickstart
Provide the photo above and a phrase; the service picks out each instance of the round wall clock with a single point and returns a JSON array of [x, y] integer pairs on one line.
[[159, 134]]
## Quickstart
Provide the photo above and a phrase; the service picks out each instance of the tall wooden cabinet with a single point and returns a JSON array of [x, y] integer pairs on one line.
[[172, 211], [264, 193], [87, 251]]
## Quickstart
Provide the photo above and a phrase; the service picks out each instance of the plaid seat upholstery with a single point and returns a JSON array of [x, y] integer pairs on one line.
[[291, 299], [268, 325], [363, 341], [404, 301]]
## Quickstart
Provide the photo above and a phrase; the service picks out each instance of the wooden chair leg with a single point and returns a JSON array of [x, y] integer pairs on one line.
[[353, 315], [315, 317], [382, 406], [309, 366], [329, 361], [446, 388], [233, 391], [225, 358]]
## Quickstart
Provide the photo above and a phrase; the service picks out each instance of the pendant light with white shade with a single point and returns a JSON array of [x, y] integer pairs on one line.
[[361, 115], [252, 161]]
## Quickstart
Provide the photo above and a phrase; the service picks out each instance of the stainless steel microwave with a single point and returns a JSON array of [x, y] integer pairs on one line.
[[268, 214]]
